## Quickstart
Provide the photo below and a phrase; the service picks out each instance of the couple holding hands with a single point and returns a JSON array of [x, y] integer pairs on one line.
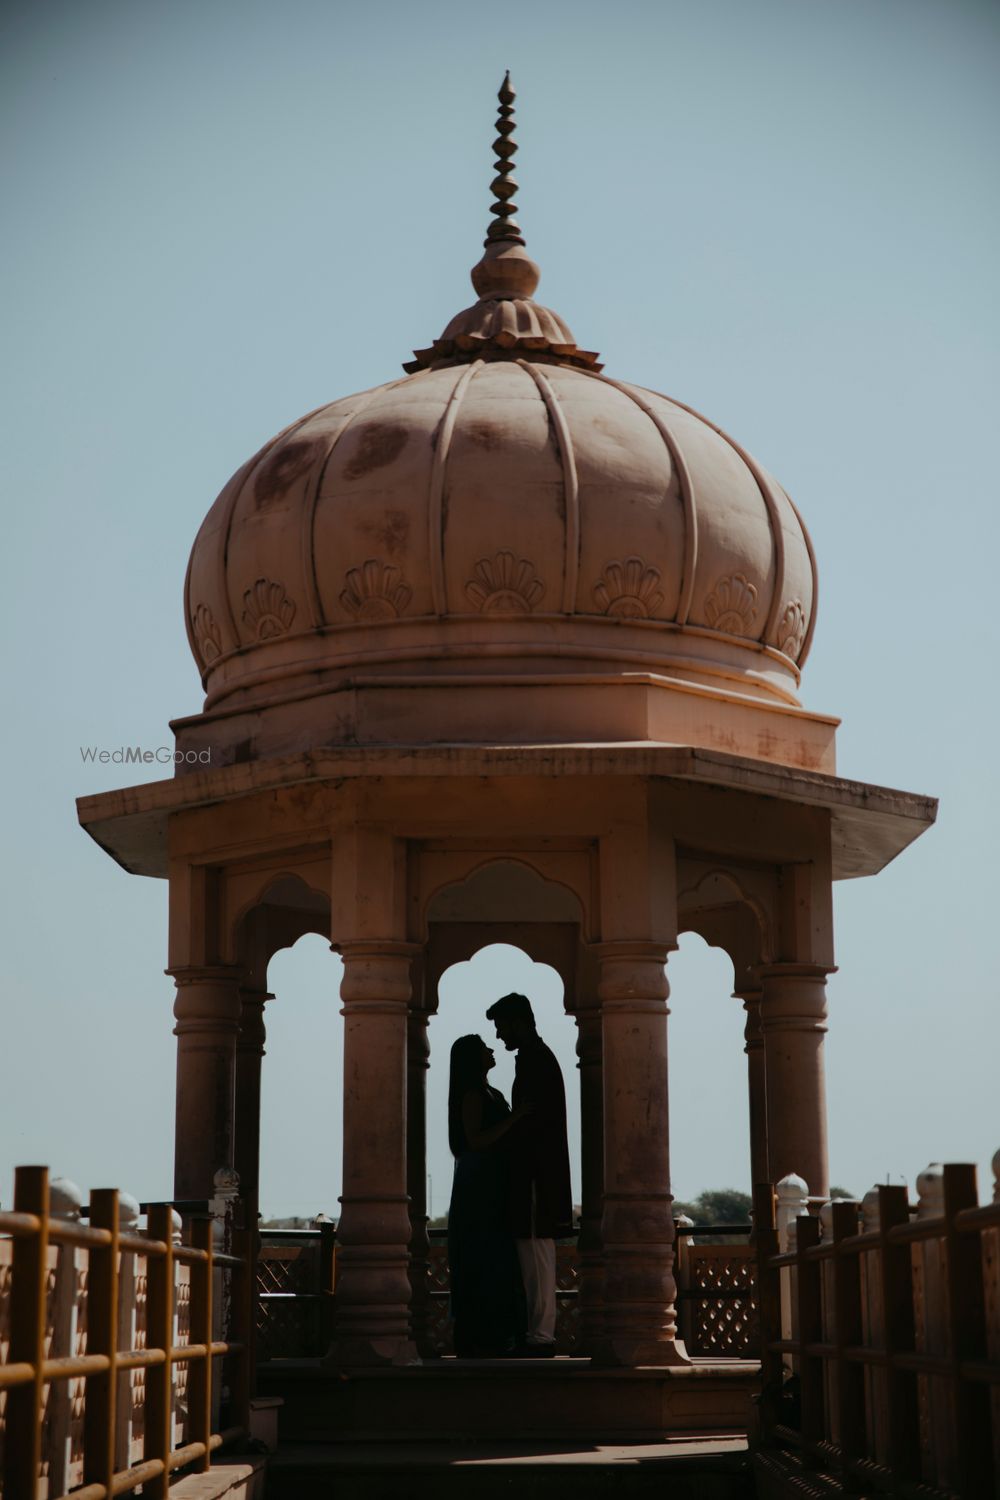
[[511, 1197]]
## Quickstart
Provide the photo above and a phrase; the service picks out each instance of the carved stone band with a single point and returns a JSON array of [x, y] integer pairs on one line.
[[377, 975]]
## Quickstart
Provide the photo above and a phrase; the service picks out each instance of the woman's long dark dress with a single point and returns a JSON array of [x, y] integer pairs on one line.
[[487, 1297]]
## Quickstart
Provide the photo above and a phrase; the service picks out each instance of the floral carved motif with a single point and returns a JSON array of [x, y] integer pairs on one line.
[[732, 605], [628, 589], [268, 611], [792, 629], [375, 591], [206, 633], [504, 585]]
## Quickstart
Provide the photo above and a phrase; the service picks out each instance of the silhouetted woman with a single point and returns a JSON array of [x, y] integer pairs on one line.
[[487, 1299]]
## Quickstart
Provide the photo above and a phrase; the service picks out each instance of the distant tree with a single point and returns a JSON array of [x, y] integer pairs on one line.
[[717, 1206], [843, 1193], [295, 1222]]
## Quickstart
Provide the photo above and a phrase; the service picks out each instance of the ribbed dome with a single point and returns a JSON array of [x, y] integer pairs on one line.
[[507, 509], [553, 511]]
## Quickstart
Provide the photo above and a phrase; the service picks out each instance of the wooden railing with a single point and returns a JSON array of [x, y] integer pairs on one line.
[[36, 1370], [881, 1345]]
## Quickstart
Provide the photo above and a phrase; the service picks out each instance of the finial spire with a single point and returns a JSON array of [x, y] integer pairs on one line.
[[503, 187], [506, 322]]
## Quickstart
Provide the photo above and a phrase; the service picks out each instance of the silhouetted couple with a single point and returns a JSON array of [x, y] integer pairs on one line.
[[511, 1197]]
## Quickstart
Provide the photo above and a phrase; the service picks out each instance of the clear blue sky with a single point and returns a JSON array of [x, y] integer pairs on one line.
[[220, 215]]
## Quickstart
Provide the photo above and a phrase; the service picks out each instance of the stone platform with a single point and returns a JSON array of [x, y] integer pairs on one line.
[[560, 1400]]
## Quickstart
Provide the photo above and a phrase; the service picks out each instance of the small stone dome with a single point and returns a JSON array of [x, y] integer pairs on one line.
[[504, 509]]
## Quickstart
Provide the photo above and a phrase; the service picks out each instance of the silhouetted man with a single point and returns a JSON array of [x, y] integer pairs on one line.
[[541, 1206]]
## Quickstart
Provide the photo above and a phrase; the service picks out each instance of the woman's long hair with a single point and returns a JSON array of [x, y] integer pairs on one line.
[[466, 1074]]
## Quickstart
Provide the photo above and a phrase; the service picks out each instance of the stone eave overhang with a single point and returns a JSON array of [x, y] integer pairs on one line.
[[870, 824]]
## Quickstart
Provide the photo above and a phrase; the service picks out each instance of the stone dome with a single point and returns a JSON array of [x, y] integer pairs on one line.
[[504, 510], [509, 512]]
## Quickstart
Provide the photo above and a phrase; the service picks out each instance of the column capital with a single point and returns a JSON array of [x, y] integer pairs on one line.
[[358, 949], [253, 1033], [793, 997], [377, 975], [206, 974], [207, 1000], [753, 1035], [640, 950], [632, 977], [793, 970]]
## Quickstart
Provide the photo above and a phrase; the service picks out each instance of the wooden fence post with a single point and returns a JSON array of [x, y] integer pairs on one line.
[[200, 1370], [29, 1269], [932, 1331], [848, 1381], [158, 1434], [792, 1200], [991, 1274], [970, 1399], [128, 1222], [327, 1274], [242, 1297], [807, 1327], [65, 1202], [682, 1275], [769, 1301], [895, 1273], [873, 1333], [102, 1338]]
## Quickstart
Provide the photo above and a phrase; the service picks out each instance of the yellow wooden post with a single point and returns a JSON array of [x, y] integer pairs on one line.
[[23, 1437]]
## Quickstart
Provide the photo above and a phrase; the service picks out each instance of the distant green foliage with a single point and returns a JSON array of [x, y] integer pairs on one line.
[[718, 1206]]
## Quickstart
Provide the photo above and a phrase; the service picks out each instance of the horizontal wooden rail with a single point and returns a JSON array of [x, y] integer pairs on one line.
[[879, 1351], [28, 1374]]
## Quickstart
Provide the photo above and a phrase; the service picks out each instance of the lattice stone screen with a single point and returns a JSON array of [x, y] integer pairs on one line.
[[723, 1319], [717, 1284]]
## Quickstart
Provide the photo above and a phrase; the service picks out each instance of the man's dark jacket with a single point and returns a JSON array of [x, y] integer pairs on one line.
[[539, 1152]]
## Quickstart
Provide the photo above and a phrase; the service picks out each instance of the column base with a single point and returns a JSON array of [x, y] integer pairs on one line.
[[366, 1353], [620, 1351]]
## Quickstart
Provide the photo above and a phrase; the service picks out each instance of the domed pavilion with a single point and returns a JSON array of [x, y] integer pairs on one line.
[[507, 649]]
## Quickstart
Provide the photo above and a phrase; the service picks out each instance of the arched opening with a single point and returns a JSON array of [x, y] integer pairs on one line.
[[709, 1118], [465, 992], [301, 1120]]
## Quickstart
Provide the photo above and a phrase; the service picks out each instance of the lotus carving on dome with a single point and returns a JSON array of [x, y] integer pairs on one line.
[[504, 585], [268, 612], [731, 607], [375, 591], [206, 633], [628, 590], [792, 629]]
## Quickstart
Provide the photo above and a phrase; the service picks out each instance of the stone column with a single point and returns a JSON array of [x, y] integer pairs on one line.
[[639, 1326], [793, 1025], [208, 1011], [417, 1063], [249, 1056], [372, 1314], [753, 1038], [589, 1049]]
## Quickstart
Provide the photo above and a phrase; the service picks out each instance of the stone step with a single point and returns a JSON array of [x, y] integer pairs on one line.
[[685, 1469], [562, 1399]]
